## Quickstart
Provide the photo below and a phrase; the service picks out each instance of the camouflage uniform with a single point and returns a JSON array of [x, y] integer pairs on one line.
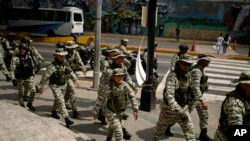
[[199, 86], [234, 109], [124, 51], [22, 69], [2, 63], [58, 74], [182, 50], [76, 64], [118, 97], [174, 106]]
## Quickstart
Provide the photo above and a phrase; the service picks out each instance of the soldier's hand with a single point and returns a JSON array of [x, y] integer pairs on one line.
[[84, 73], [94, 116], [14, 82], [135, 115], [40, 91], [184, 117], [77, 84], [204, 105]]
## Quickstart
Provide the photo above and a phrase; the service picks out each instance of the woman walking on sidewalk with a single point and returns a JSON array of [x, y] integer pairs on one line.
[[226, 42], [219, 43]]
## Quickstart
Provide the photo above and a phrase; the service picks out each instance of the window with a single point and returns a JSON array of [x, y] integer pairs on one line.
[[24, 13], [77, 17], [48, 15], [37, 15], [60, 16]]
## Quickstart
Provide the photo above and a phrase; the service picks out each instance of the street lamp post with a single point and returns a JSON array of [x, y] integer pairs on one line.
[[148, 97]]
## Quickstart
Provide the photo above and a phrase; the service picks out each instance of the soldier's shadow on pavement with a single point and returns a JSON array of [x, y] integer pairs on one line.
[[94, 128], [147, 134], [9, 96]]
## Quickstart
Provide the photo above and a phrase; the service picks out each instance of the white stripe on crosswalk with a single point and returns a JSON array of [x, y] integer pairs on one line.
[[222, 76]]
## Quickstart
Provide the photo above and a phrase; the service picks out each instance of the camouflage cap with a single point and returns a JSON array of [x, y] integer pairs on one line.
[[118, 54], [185, 58], [203, 57], [244, 78], [118, 71], [71, 44], [60, 51], [110, 49]]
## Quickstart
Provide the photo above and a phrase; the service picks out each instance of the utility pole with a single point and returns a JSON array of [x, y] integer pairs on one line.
[[98, 21], [148, 97]]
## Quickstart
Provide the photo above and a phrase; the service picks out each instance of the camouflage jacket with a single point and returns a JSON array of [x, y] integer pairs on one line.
[[75, 61], [117, 97], [171, 86], [57, 74], [197, 73], [235, 110], [106, 63], [19, 72], [175, 58], [123, 49], [107, 75]]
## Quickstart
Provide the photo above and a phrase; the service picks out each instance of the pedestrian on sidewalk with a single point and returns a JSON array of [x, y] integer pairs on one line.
[[226, 43], [235, 108], [219, 43], [58, 74], [22, 75], [117, 94], [176, 97], [161, 28], [177, 32]]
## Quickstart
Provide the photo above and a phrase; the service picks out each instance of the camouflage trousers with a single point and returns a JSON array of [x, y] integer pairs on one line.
[[169, 117], [115, 124], [219, 136], [203, 114], [70, 94], [4, 69], [59, 103], [26, 85]]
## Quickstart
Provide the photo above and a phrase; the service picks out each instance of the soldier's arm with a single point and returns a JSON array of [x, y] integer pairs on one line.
[[173, 62], [196, 75], [13, 65], [45, 77], [169, 93], [131, 96], [129, 80], [125, 52], [79, 62], [103, 93], [234, 110], [36, 53]]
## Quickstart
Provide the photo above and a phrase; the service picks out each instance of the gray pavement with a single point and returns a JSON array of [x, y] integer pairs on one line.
[[20, 124]]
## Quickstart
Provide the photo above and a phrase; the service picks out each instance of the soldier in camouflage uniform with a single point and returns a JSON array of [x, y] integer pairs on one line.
[[76, 64], [108, 53], [235, 109], [117, 93], [199, 86], [118, 62], [58, 73], [155, 76], [129, 60], [36, 57], [10, 46], [3, 67], [182, 50], [22, 75], [176, 97]]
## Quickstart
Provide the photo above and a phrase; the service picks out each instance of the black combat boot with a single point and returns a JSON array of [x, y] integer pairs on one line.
[[126, 134], [109, 138], [55, 115], [7, 78], [26, 98], [29, 104], [168, 132], [68, 122], [102, 118], [75, 114], [204, 136]]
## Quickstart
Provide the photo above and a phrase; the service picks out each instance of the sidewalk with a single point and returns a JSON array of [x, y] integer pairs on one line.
[[20, 124]]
